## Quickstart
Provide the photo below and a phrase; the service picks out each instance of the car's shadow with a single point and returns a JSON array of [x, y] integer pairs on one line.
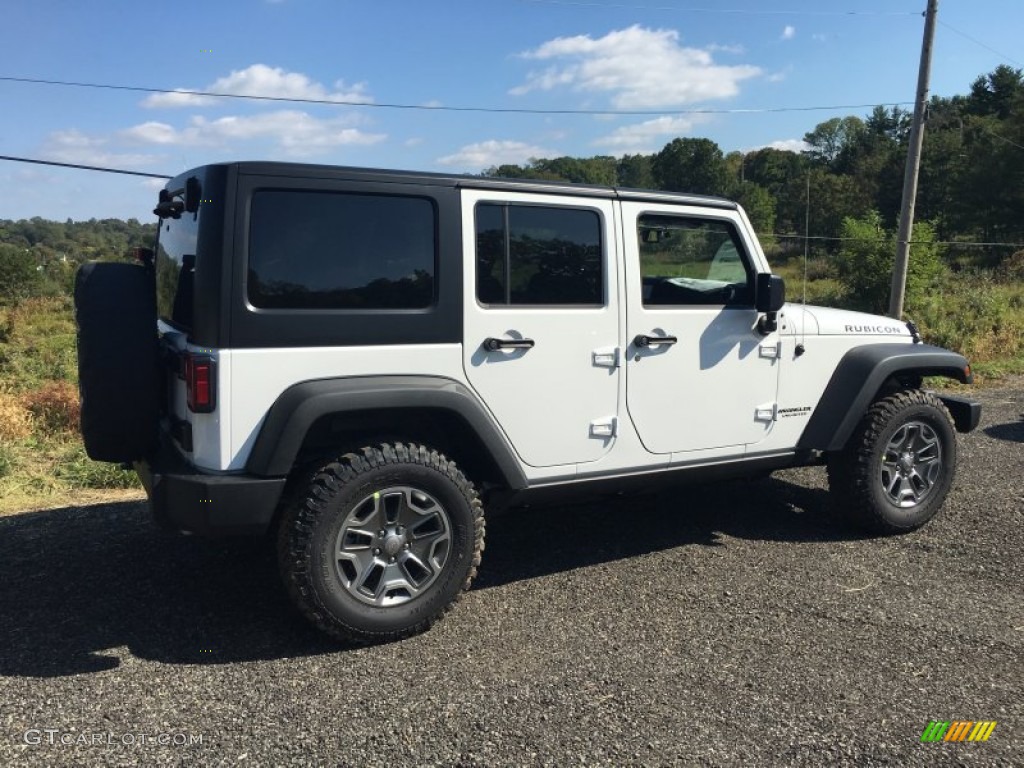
[[78, 583], [1011, 431]]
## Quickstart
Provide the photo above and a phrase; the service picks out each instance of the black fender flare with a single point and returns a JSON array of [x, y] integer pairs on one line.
[[857, 379], [298, 407]]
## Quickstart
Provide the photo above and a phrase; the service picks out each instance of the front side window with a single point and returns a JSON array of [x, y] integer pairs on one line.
[[537, 255], [687, 260], [332, 250]]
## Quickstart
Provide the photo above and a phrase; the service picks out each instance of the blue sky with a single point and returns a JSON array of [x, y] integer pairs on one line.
[[657, 56]]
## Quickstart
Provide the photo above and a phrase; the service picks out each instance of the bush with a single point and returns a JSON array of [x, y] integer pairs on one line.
[[15, 419], [54, 407], [19, 277], [1012, 269], [866, 259], [974, 315]]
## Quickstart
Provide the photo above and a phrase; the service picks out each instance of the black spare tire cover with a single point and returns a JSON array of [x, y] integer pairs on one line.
[[118, 360]]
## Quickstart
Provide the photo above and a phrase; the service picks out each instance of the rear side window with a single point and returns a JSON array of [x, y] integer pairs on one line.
[[177, 242], [332, 250], [538, 255]]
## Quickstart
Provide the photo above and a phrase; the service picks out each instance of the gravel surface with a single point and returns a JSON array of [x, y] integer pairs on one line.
[[736, 624]]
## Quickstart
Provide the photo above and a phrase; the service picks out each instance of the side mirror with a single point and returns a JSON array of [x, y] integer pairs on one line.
[[770, 294], [769, 298]]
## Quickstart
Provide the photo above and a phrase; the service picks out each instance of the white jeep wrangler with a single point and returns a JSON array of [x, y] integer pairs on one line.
[[361, 361]]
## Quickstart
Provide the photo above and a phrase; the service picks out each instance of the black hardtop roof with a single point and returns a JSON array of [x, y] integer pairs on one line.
[[308, 170]]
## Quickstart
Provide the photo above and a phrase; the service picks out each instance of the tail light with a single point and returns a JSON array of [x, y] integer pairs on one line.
[[200, 382]]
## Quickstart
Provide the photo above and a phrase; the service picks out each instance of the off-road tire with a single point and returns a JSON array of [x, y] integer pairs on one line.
[[313, 524], [118, 360], [858, 474]]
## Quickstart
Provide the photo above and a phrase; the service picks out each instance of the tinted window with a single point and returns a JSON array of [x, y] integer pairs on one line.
[[686, 260], [530, 255], [175, 268], [328, 250]]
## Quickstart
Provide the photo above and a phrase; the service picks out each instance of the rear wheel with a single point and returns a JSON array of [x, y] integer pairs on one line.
[[382, 542], [898, 466]]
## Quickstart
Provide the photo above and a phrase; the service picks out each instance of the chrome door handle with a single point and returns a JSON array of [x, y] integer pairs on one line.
[[652, 341], [492, 344]]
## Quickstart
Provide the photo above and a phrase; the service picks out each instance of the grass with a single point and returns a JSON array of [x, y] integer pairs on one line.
[[42, 461]]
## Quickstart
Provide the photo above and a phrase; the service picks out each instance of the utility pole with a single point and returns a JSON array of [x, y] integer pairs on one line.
[[910, 174]]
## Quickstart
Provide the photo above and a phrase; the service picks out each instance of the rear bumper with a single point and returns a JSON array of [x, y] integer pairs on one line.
[[184, 499]]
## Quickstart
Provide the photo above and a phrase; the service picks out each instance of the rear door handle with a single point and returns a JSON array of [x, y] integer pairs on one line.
[[652, 341], [492, 344]]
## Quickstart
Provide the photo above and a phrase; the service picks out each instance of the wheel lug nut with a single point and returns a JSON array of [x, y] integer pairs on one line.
[[376, 551]]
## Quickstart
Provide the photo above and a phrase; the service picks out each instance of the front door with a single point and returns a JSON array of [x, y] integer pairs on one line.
[[700, 375], [541, 321]]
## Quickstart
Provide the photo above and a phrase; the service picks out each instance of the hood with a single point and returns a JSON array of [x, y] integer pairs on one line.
[[843, 322]]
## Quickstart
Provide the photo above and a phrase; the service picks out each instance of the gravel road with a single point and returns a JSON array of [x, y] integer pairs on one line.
[[736, 624]]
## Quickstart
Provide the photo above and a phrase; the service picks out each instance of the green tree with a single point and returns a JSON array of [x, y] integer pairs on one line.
[[759, 205], [691, 165], [866, 258], [635, 171], [835, 142], [19, 275]]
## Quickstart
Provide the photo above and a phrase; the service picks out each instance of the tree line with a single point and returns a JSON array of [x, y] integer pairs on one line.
[[971, 184]]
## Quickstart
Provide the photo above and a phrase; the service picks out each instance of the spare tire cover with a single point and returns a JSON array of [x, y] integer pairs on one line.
[[118, 360]]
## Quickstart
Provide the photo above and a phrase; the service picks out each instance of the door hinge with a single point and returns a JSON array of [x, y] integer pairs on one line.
[[767, 412], [606, 357], [604, 428]]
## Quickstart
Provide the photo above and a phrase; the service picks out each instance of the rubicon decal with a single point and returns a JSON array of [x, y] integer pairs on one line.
[[889, 329], [958, 730]]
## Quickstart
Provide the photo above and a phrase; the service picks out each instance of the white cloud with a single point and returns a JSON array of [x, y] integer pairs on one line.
[[818, 37], [649, 135], [639, 68], [787, 145], [297, 133], [789, 32], [151, 132], [261, 80], [736, 49], [484, 154], [73, 146]]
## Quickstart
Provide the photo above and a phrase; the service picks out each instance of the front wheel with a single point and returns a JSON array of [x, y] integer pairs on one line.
[[382, 542], [895, 471]]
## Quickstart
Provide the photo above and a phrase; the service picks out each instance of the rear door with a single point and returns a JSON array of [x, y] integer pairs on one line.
[[541, 321]]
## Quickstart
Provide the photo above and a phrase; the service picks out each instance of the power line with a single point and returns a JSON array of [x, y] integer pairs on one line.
[[84, 167], [886, 240], [735, 11], [443, 108], [976, 41], [995, 135]]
